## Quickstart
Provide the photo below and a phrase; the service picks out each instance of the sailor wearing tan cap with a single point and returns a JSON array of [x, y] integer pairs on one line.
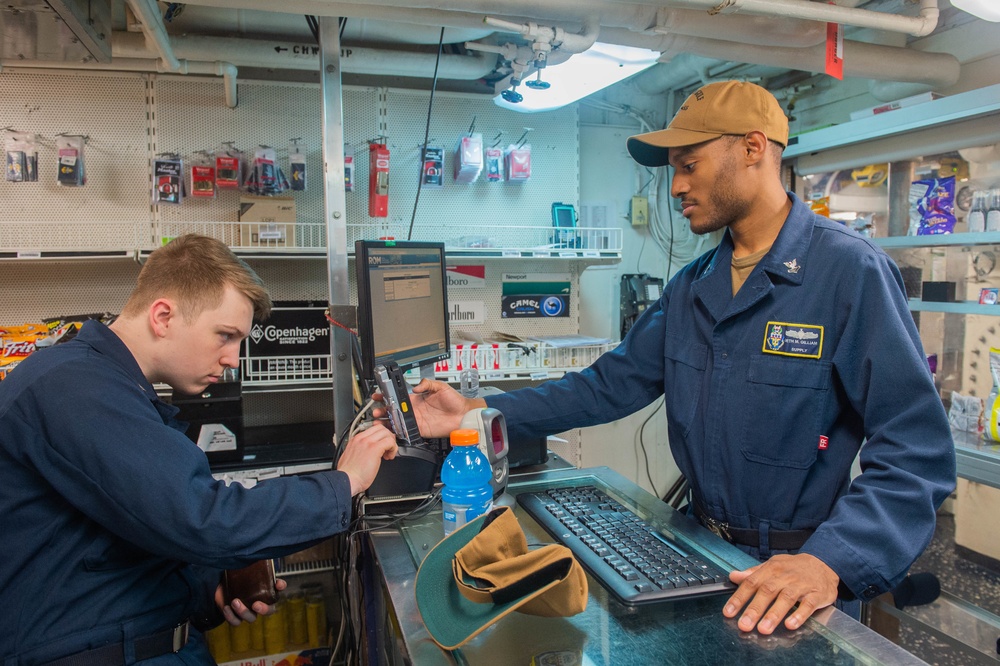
[[781, 354]]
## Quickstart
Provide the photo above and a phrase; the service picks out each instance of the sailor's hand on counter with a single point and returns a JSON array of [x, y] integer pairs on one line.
[[364, 454], [772, 589], [237, 612], [439, 408]]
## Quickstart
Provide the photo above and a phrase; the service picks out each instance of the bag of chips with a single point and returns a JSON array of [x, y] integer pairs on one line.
[[932, 206]]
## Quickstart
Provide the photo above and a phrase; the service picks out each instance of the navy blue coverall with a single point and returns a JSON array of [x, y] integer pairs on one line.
[[770, 394], [113, 526]]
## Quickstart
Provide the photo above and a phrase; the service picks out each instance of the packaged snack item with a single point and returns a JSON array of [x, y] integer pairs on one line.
[[966, 413], [932, 206], [992, 430], [14, 349]]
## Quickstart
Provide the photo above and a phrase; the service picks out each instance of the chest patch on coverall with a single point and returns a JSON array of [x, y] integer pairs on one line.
[[787, 339]]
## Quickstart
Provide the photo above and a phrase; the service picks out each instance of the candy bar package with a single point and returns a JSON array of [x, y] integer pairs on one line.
[[932, 206]]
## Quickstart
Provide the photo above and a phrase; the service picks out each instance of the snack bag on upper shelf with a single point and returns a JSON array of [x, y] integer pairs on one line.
[[932, 206], [992, 430]]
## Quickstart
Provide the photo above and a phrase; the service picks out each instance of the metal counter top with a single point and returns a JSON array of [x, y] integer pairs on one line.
[[680, 632]]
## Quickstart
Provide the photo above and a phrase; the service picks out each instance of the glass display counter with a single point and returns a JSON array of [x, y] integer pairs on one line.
[[679, 632]]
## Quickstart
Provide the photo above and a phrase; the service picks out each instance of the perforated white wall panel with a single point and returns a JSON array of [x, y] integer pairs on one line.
[[110, 110], [191, 116], [483, 207], [132, 117]]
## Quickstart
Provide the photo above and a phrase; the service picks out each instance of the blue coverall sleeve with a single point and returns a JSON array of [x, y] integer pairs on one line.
[[619, 383], [887, 517], [109, 454]]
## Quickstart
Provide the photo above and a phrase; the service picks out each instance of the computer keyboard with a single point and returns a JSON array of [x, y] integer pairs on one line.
[[631, 559]]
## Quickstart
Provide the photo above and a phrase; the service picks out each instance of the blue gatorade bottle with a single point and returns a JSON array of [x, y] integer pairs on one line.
[[466, 475]]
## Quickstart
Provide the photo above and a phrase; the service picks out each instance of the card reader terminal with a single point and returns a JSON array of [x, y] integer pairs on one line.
[[396, 396]]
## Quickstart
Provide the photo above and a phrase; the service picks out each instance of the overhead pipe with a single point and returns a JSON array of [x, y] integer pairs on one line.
[[681, 71], [763, 30], [887, 91], [154, 31], [861, 60], [918, 26], [289, 55], [380, 24], [554, 37], [459, 13], [226, 70], [561, 10]]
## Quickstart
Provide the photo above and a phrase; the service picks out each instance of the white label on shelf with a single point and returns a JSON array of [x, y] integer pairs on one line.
[[539, 376], [593, 254], [510, 253], [567, 254], [29, 254]]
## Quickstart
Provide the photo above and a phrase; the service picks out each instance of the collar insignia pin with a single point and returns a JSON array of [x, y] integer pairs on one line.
[[793, 266]]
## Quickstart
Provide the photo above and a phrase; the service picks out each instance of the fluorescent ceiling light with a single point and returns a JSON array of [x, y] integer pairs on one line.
[[584, 73], [984, 9]]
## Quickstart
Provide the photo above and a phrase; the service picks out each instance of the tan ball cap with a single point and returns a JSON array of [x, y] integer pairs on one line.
[[714, 110]]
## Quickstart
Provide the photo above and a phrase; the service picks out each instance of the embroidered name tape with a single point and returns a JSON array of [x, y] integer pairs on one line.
[[788, 339]]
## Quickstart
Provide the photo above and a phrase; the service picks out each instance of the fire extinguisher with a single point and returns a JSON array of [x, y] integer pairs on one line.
[[378, 180]]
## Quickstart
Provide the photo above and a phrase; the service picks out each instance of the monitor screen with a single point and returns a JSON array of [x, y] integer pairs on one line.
[[402, 303]]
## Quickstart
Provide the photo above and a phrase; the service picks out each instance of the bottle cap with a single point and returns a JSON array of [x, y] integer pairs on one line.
[[465, 437]]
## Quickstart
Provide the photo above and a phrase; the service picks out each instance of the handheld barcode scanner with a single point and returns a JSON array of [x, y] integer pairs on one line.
[[415, 466], [492, 430], [396, 396]]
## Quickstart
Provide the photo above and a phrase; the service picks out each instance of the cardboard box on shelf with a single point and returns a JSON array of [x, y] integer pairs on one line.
[[267, 221]]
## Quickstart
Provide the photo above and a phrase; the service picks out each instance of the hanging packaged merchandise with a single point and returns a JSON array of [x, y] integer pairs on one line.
[[297, 166], [932, 206], [228, 168], [378, 180], [494, 165], [203, 176], [22, 158], [469, 158], [433, 167], [168, 184], [518, 163], [348, 168], [71, 172], [265, 177]]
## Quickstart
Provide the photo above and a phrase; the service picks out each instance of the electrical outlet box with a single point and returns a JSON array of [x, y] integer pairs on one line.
[[639, 211]]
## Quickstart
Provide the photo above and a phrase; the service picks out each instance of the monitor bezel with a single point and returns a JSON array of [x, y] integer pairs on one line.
[[366, 339]]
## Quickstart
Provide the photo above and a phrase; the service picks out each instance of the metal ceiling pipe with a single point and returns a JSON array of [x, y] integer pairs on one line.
[[683, 70], [292, 55], [887, 91], [226, 70], [458, 13], [554, 36], [154, 30], [379, 25], [555, 10], [918, 26], [861, 60], [765, 30]]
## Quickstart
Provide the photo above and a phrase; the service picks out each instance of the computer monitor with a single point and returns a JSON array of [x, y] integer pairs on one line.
[[402, 303]]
